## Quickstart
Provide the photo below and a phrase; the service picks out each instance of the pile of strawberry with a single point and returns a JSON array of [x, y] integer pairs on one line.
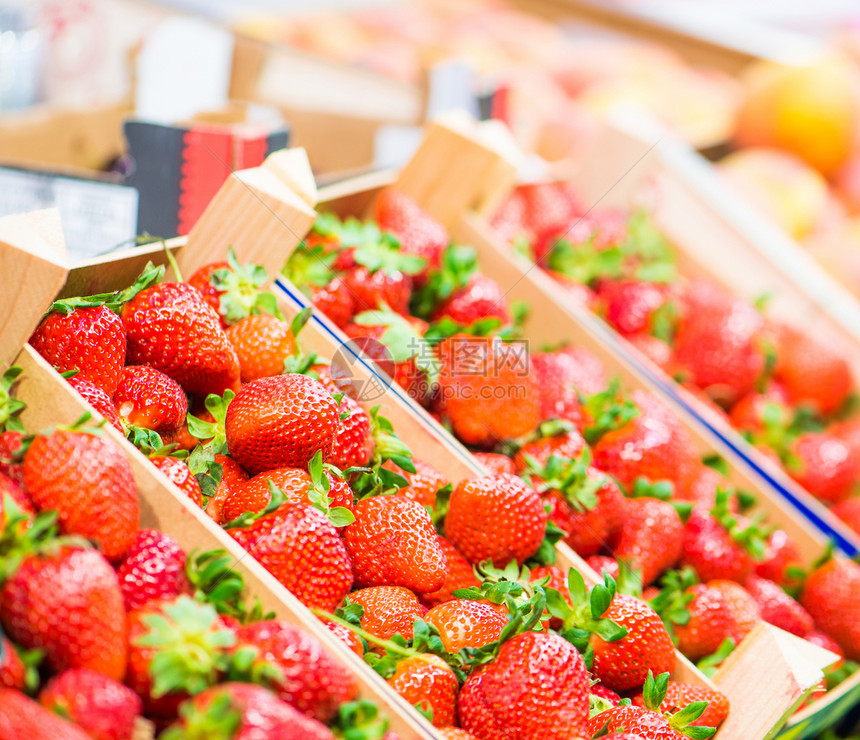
[[789, 393], [618, 476], [115, 630]]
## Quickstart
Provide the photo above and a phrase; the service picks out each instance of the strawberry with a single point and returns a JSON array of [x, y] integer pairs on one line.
[[312, 681], [423, 484], [153, 570], [392, 543], [651, 539], [830, 595], [654, 350], [777, 607], [601, 692], [298, 545], [719, 346], [494, 462], [454, 733], [334, 301], [146, 397], [823, 464], [232, 476], [171, 327], [281, 421], [601, 564], [96, 397], [812, 371], [849, 512], [458, 574], [178, 472], [496, 517], [467, 623], [744, 610], [548, 207], [427, 681], [312, 268], [481, 298], [67, 601], [388, 610], [630, 304], [567, 444], [486, 389], [23, 718], [13, 672], [262, 344], [373, 289], [202, 280], [90, 340], [759, 413], [242, 711], [346, 636], [703, 619], [537, 688], [680, 696], [13, 495], [562, 376], [353, 440], [11, 443], [419, 233], [88, 481], [780, 557], [702, 486], [103, 707]]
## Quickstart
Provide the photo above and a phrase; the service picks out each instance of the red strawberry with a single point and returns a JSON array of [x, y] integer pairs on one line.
[[651, 539], [427, 681], [202, 280], [10, 445], [495, 463], [262, 343], [467, 623], [353, 441], [497, 517], [654, 350], [849, 512], [565, 445], [103, 707], [487, 391], [679, 696], [346, 636], [480, 298], [146, 397], [601, 564], [179, 474], [334, 301], [744, 610], [392, 542], [458, 574], [562, 375], [242, 711], [13, 672], [548, 207], [454, 733], [423, 484], [823, 465], [17, 498], [757, 413], [90, 340], [171, 327], [710, 622], [777, 607], [388, 610], [313, 682], [23, 718], [232, 476], [781, 554], [88, 481], [153, 570], [536, 689], [830, 597], [68, 602], [629, 304], [300, 547], [281, 421], [419, 233], [370, 290], [96, 397], [600, 691]]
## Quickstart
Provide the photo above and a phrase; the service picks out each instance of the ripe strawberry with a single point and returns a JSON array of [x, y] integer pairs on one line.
[[281, 421], [744, 610], [600, 691], [718, 344], [232, 476], [180, 474], [568, 445], [428, 682], [701, 488], [480, 298], [849, 512], [90, 340], [300, 547], [419, 233], [346, 636], [262, 342], [458, 574], [654, 350], [812, 371], [353, 440], [372, 289], [777, 607], [388, 610], [848, 430], [562, 376], [334, 301], [548, 207], [147, 398], [486, 389], [601, 564], [830, 596], [392, 542], [202, 280], [454, 733], [423, 484], [18, 498], [171, 327], [496, 517], [629, 304], [103, 707], [13, 672], [710, 622], [651, 539], [96, 397], [68, 602], [467, 623], [680, 695], [313, 682], [88, 481], [757, 413], [624, 664], [11, 443], [243, 711], [537, 688], [23, 718], [781, 555], [823, 465], [494, 463], [153, 570]]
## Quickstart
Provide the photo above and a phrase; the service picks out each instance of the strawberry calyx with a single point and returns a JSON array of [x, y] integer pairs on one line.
[[10, 407], [598, 705], [201, 463], [606, 411], [660, 489], [212, 434], [359, 720], [381, 251], [671, 603], [240, 289], [319, 491], [378, 480], [23, 537], [750, 538], [215, 581], [311, 266], [569, 477], [114, 301], [654, 694], [219, 720], [490, 326], [190, 646], [497, 585], [663, 322], [458, 265], [584, 263]]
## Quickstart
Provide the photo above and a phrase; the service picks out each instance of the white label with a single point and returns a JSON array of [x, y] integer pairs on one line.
[[97, 216]]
